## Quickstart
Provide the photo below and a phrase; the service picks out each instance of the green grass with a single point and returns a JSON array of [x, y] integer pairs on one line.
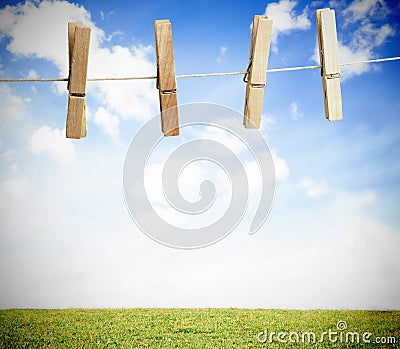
[[186, 328]]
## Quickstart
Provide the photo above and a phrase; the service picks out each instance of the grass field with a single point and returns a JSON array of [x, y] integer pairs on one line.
[[196, 328]]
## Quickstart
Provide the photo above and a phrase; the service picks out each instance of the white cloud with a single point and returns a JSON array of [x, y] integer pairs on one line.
[[108, 122], [89, 115], [370, 34], [11, 107], [317, 3], [14, 187], [348, 54], [281, 167], [365, 41], [294, 111], [361, 9], [267, 120], [8, 158], [314, 189], [253, 176], [32, 74], [53, 143], [128, 99], [27, 24], [7, 155], [14, 168], [358, 201], [189, 183], [221, 54], [222, 136], [285, 19], [357, 264]]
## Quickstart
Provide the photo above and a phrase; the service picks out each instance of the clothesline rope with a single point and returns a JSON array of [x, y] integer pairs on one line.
[[196, 75]]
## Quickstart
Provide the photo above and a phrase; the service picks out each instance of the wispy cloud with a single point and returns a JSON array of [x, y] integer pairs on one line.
[[7, 155], [12, 107], [108, 122], [285, 19], [314, 189], [221, 54], [16, 187], [365, 10], [27, 24], [281, 167], [54, 144], [294, 111]]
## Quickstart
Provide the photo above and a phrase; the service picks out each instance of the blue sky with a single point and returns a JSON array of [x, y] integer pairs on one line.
[[332, 237]]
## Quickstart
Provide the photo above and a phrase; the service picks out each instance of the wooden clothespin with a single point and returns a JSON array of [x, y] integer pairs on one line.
[[78, 51], [166, 79], [329, 58], [256, 76]]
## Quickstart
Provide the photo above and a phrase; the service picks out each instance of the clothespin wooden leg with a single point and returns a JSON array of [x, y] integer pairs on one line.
[[78, 49], [253, 106], [329, 58], [256, 75], [166, 78]]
